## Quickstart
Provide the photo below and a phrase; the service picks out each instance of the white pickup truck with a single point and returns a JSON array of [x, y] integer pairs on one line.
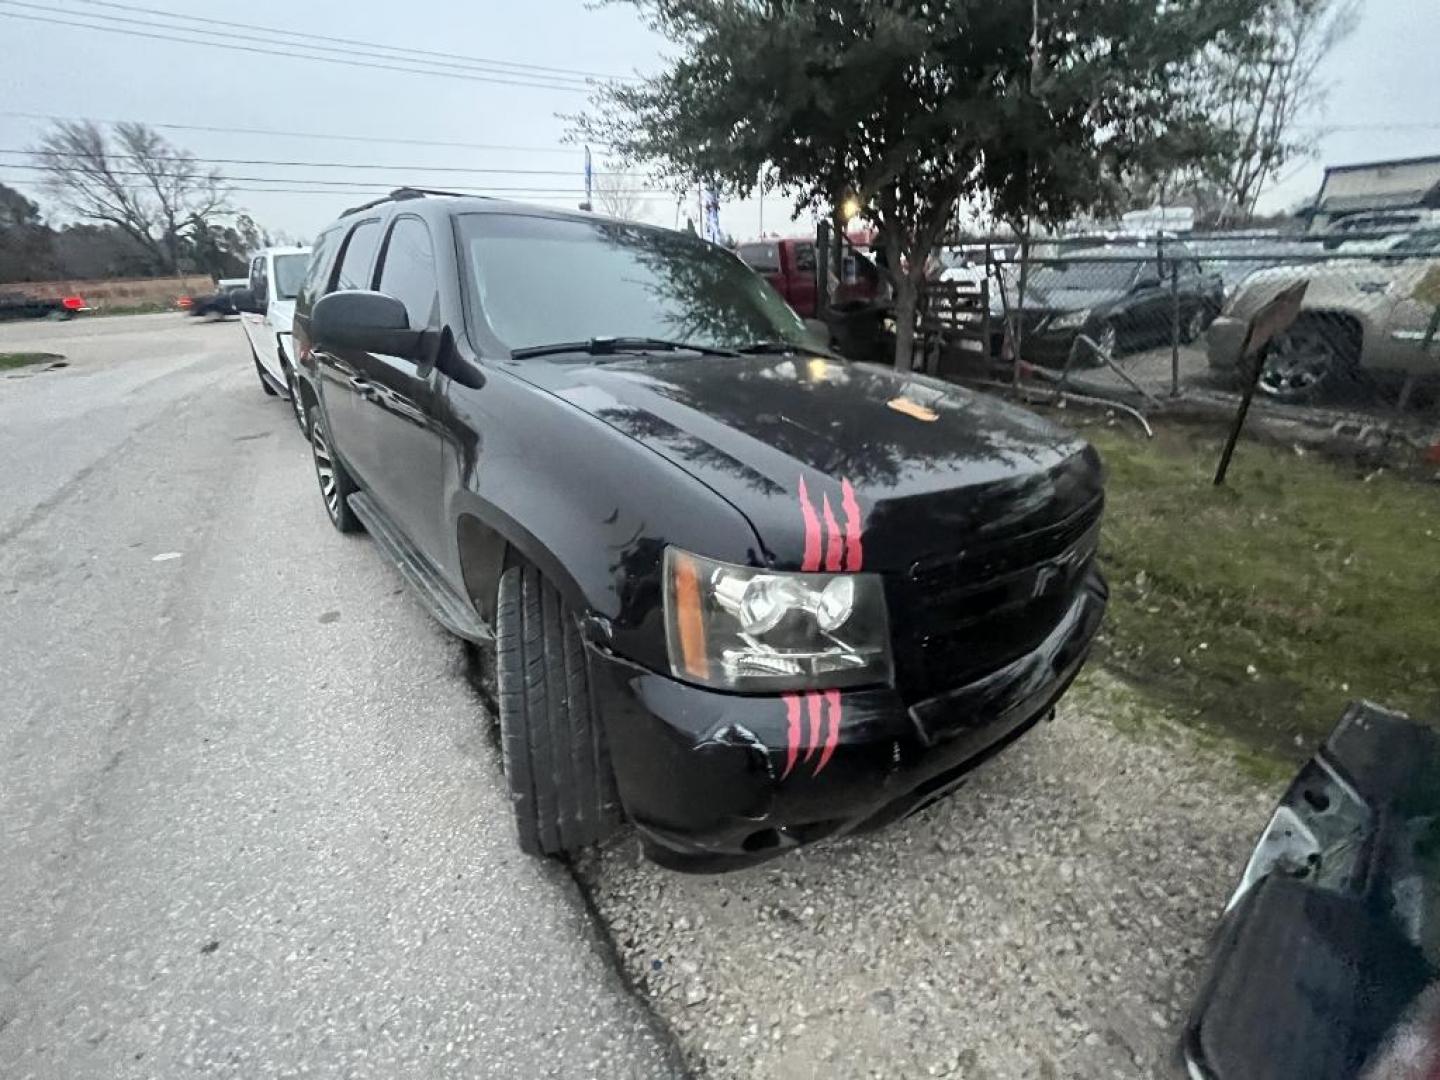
[[267, 311]]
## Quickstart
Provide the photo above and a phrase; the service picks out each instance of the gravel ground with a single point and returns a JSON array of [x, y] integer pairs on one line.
[[1046, 921]]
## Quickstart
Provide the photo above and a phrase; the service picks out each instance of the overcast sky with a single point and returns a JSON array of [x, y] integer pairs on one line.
[[1385, 79]]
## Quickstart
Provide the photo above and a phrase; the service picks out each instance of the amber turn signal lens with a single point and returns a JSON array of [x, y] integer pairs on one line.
[[689, 619]]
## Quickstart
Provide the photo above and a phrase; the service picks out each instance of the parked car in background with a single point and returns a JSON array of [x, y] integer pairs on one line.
[[1361, 317], [1233, 260], [790, 266], [1355, 227], [18, 304], [1120, 296], [216, 305], [267, 311], [747, 593]]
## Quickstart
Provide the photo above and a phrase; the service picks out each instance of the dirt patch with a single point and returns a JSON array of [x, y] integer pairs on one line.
[[1047, 920]]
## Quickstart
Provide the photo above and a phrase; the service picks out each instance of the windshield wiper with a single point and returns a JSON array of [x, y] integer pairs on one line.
[[610, 346]]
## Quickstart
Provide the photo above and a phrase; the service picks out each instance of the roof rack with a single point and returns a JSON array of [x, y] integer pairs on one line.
[[402, 193]]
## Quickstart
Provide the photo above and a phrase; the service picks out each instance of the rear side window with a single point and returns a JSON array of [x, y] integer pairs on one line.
[[322, 259], [358, 257], [762, 257], [408, 272]]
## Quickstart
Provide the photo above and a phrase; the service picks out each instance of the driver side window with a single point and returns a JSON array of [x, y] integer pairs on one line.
[[259, 281], [407, 272]]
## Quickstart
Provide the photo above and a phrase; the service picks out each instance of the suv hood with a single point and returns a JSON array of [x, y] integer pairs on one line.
[[830, 454], [1372, 284]]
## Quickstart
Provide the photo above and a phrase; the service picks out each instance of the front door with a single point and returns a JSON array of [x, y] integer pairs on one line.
[[256, 326], [398, 409], [1149, 306], [342, 382]]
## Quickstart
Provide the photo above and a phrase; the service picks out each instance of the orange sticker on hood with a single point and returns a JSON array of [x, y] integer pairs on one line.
[[913, 409]]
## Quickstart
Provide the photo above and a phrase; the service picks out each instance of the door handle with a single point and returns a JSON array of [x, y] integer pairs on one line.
[[360, 386]]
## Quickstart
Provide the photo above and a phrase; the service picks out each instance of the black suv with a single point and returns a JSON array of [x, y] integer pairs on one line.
[[740, 591]]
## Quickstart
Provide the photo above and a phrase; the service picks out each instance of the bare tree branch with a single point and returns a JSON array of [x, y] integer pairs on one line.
[[617, 193], [153, 191]]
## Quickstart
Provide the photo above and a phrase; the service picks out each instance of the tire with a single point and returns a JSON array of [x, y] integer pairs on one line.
[[260, 373], [557, 766], [336, 486], [1193, 326], [1311, 360]]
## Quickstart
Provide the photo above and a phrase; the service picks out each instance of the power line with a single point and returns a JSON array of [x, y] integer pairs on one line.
[[317, 164], [1324, 128], [346, 193], [310, 38], [271, 52], [366, 184], [264, 36], [310, 135]]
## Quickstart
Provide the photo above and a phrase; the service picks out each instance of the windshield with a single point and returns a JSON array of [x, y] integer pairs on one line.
[[289, 273], [542, 280], [1078, 274]]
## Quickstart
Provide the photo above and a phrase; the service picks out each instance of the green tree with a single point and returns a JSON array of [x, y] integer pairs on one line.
[[1260, 83], [907, 106], [26, 242]]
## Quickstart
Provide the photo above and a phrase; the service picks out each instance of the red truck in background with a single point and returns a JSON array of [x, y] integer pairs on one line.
[[789, 265]]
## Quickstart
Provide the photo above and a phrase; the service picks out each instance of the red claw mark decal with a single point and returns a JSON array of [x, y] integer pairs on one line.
[[812, 531], [844, 548], [812, 701], [832, 736], [824, 711], [792, 732], [833, 541], [854, 552]]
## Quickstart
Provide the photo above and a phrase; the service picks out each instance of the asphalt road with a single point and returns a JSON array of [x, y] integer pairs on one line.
[[251, 821]]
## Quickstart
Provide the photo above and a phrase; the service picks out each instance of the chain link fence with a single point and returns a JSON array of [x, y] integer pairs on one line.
[[1162, 317]]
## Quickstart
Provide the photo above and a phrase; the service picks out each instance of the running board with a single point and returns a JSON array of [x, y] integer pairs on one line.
[[281, 390], [449, 609]]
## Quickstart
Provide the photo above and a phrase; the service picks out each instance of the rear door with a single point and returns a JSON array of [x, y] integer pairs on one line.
[[396, 412]]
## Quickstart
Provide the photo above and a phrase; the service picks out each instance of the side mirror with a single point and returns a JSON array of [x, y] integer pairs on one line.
[[367, 321], [244, 300]]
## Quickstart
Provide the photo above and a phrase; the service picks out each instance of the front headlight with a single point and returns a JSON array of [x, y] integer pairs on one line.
[[742, 628], [1069, 320]]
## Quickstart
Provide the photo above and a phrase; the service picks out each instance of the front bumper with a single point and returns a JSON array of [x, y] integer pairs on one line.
[[717, 781]]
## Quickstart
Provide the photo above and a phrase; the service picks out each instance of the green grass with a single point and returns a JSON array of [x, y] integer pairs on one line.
[[25, 359], [1258, 609], [149, 307]]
